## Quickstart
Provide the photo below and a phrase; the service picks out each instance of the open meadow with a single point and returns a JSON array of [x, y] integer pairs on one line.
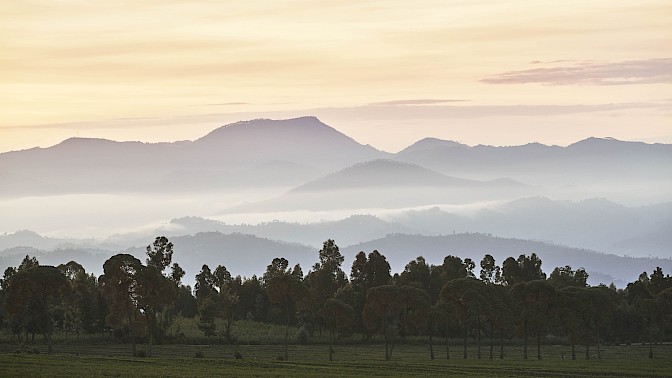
[[409, 359]]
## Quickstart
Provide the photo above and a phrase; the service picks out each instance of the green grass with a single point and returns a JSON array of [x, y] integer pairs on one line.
[[112, 360]]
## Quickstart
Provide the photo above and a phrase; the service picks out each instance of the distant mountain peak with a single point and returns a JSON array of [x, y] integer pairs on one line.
[[26, 233], [74, 141], [428, 144], [306, 123], [382, 173], [596, 141], [297, 140]]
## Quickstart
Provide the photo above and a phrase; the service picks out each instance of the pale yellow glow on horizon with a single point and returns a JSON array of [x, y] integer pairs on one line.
[[67, 61]]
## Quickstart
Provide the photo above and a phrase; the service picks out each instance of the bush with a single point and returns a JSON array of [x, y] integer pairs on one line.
[[142, 353], [198, 354]]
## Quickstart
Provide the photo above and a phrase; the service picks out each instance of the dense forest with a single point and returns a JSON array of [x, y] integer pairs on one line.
[[491, 307]]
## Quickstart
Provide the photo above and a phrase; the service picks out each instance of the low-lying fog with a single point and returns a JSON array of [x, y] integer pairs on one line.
[[102, 215], [125, 220], [86, 216]]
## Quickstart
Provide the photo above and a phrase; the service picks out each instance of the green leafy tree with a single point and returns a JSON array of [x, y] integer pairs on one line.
[[499, 314], [454, 268], [389, 307], [523, 269], [659, 281], [566, 276], [470, 265], [445, 316], [177, 273], [157, 293], [326, 277], [657, 311], [468, 297], [185, 304], [216, 300], [160, 253], [627, 322], [599, 304], [366, 273], [82, 306], [27, 263], [536, 301], [252, 299], [417, 274], [285, 289], [571, 303], [33, 293], [227, 300], [120, 286], [415, 306], [158, 289], [490, 272], [381, 313], [336, 315], [205, 282]]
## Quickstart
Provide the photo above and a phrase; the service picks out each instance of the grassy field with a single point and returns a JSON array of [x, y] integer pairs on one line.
[[260, 345], [112, 360]]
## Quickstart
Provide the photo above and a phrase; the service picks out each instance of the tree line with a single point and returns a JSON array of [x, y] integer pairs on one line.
[[489, 307]]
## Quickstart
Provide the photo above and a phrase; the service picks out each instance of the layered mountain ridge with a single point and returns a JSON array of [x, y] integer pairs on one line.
[[282, 186]]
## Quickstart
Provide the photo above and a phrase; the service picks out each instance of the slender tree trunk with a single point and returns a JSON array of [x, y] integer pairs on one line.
[[287, 331], [130, 326], [388, 352], [447, 347], [478, 336], [465, 341], [492, 343], [538, 345], [650, 342], [599, 353], [525, 338], [588, 351], [431, 346], [501, 344], [331, 348], [387, 346], [151, 335], [573, 351], [49, 342]]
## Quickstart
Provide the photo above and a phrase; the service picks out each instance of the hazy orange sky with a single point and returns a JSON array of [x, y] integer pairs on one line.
[[384, 72]]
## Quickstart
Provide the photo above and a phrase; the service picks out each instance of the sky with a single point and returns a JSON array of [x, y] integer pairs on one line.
[[386, 73]]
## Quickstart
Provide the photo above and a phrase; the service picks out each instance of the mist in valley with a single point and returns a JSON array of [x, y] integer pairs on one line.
[[272, 183]]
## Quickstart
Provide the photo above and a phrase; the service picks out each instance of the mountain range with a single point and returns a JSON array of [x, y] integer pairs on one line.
[[389, 184], [249, 255], [254, 190], [290, 153], [248, 153]]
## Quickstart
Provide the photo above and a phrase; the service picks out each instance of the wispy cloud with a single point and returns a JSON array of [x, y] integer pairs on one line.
[[651, 71], [223, 104], [375, 111], [421, 101]]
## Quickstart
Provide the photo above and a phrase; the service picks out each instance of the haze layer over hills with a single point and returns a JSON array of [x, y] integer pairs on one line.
[[254, 190]]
